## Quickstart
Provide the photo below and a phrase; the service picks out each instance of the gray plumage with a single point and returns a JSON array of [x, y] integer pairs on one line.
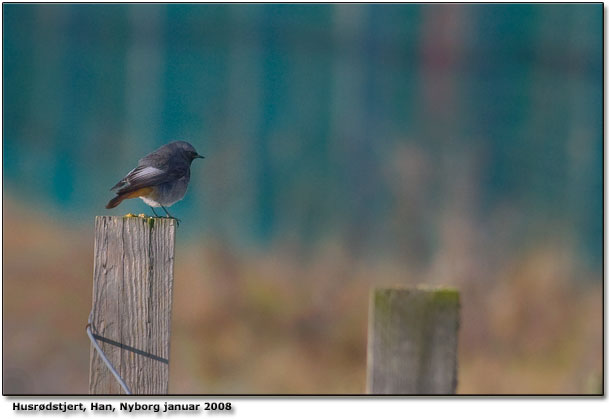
[[160, 178]]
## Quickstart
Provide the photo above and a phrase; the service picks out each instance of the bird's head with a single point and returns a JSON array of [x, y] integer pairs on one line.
[[188, 150]]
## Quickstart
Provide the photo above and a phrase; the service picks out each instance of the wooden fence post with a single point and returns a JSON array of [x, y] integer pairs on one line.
[[412, 341], [132, 298]]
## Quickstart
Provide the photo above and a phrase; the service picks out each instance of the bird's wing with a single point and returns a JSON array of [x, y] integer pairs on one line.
[[144, 176]]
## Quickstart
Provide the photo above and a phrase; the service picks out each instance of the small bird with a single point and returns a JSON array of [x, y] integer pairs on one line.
[[160, 178]]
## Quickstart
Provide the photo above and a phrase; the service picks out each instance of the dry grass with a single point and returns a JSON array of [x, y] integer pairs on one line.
[[276, 323]]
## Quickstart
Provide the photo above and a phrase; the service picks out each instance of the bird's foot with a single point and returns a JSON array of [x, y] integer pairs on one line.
[[171, 216]]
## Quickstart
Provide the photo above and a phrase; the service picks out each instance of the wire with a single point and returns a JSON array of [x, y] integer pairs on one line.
[[104, 358]]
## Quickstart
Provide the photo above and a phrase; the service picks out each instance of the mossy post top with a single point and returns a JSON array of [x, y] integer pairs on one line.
[[144, 219], [437, 295]]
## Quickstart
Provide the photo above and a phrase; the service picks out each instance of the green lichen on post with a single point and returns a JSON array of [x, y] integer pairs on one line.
[[382, 303], [445, 297], [381, 313], [391, 314], [437, 298], [145, 218]]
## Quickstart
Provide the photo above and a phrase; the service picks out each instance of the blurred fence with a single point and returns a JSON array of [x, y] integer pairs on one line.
[[318, 120]]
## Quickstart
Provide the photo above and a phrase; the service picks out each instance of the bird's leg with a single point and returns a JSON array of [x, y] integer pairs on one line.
[[154, 212], [170, 216]]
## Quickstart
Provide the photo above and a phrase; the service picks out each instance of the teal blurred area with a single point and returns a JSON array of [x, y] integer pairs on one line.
[[347, 146], [356, 120]]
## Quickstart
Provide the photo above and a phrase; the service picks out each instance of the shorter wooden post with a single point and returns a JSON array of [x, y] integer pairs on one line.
[[412, 341], [132, 298]]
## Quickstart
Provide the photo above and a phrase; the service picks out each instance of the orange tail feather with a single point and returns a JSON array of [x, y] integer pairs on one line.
[[134, 194]]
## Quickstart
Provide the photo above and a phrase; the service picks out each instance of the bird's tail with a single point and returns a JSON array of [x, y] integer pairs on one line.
[[115, 201], [128, 195]]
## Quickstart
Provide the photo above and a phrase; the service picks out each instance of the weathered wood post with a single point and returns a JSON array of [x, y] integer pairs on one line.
[[132, 298], [412, 341]]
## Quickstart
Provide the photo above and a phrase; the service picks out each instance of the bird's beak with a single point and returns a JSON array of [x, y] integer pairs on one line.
[[198, 156]]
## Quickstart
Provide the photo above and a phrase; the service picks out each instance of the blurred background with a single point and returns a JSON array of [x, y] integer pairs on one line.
[[347, 146]]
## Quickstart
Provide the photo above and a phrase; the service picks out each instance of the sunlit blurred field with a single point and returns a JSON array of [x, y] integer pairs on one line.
[[278, 322]]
